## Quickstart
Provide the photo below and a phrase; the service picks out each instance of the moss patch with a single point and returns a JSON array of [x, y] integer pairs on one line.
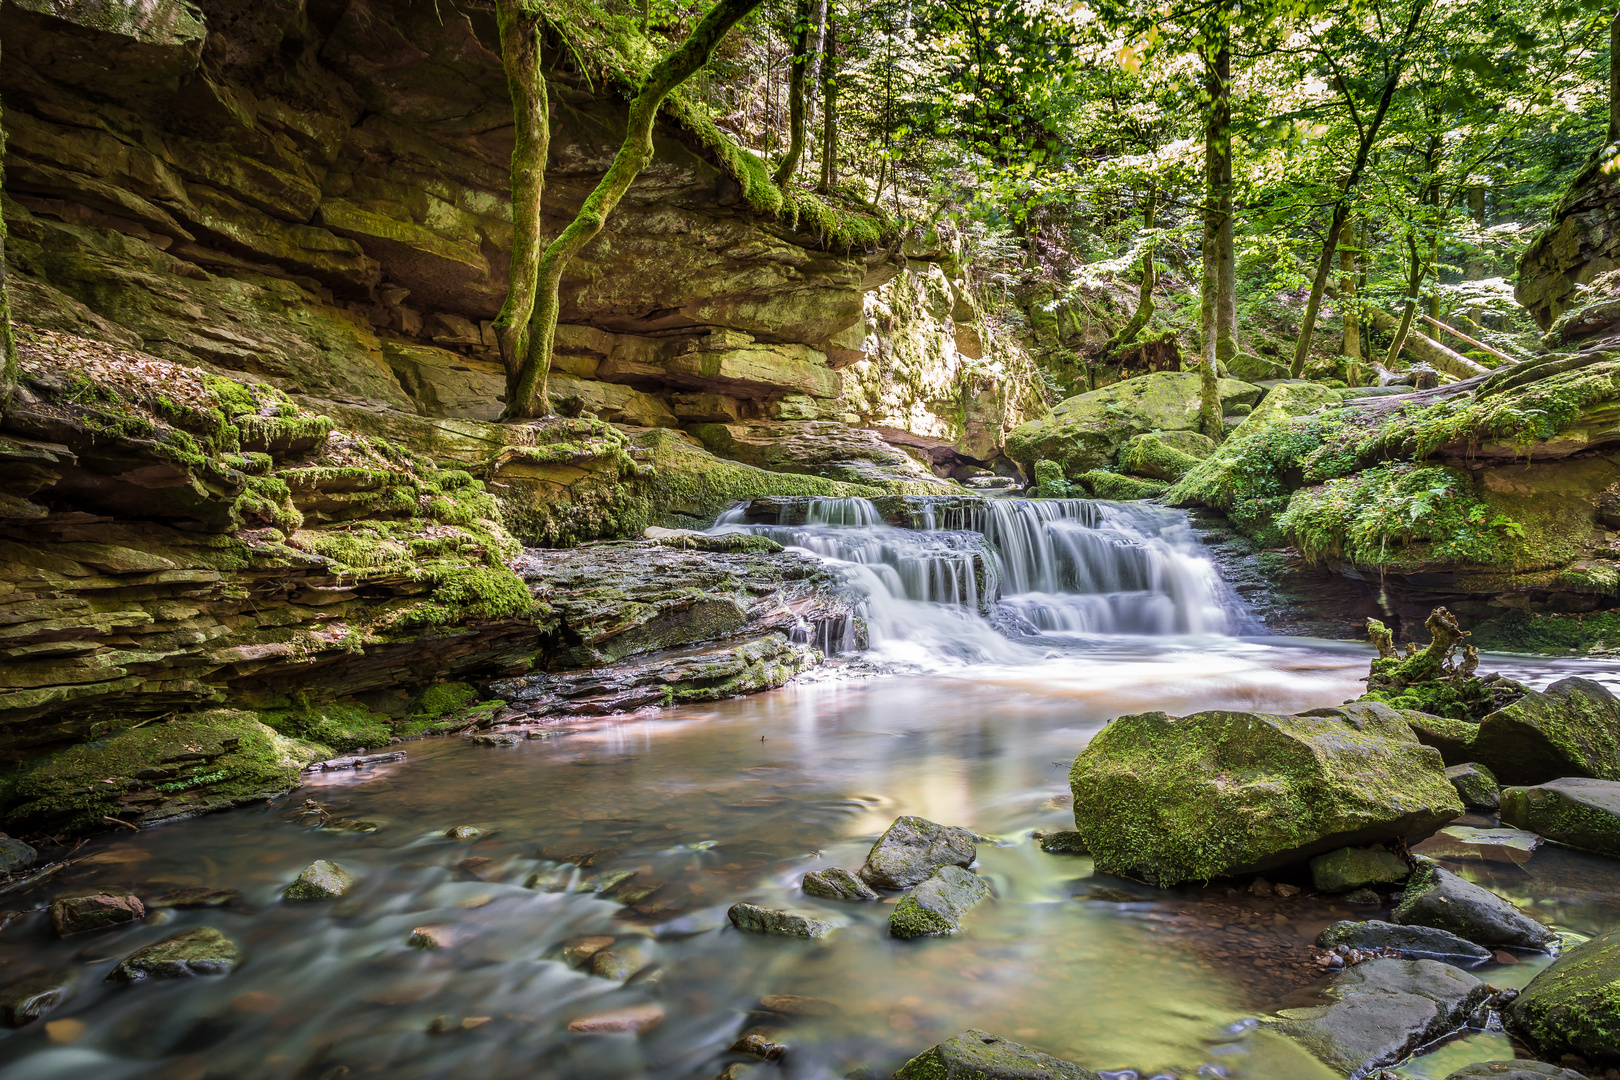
[[1573, 1007]]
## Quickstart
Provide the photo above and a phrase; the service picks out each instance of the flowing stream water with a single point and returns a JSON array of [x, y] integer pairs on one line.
[[1001, 638]]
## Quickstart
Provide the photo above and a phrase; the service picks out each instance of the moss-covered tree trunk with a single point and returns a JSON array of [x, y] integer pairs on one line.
[[519, 24], [528, 400], [1226, 335], [8, 342], [1614, 79], [798, 69], [1144, 302], [829, 101], [1347, 301], [1217, 199]]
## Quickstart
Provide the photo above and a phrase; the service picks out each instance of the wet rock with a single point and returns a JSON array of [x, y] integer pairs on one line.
[[794, 1005], [1453, 738], [553, 880], [31, 997], [1577, 813], [77, 914], [1573, 1007], [443, 1025], [1571, 729], [1065, 842], [761, 1042], [196, 896], [1518, 1069], [498, 738], [1412, 942], [622, 959], [633, 1020], [937, 906], [741, 1070], [1503, 845], [1102, 894], [1437, 897], [1351, 868], [350, 825], [464, 832], [837, 883], [978, 1055], [1381, 1011], [1476, 785], [580, 950], [913, 848], [15, 855], [428, 938], [320, 880], [1363, 898], [758, 920], [200, 951], [1166, 799]]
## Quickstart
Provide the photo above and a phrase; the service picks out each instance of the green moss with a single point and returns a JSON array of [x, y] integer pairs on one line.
[[341, 728], [1151, 456], [1593, 632], [910, 919], [1050, 483], [201, 762], [268, 501], [1573, 1007], [463, 594], [1107, 485]]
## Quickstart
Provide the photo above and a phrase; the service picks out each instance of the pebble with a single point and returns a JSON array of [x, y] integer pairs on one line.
[[428, 938], [634, 1020]]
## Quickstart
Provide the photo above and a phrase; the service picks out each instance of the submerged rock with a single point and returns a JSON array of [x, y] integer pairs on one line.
[[320, 880], [1573, 1007], [837, 883], [1571, 729], [196, 896], [1412, 942], [77, 914], [633, 1020], [464, 832], [1066, 842], [978, 1055], [757, 920], [913, 848], [1577, 813], [761, 1042], [1517, 1069], [1437, 897], [498, 738], [1352, 868], [32, 996], [1170, 799], [937, 906], [15, 855], [1476, 785], [200, 951], [1381, 1011], [621, 959]]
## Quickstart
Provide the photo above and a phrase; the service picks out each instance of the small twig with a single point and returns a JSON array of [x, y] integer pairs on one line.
[[117, 821]]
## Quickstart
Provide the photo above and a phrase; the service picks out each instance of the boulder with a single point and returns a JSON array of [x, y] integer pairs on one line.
[[1571, 729], [1412, 942], [1165, 455], [1087, 431], [1351, 868], [1575, 812], [913, 848], [1573, 1007], [1494, 845], [978, 1055], [32, 996], [320, 880], [758, 920], [1453, 738], [15, 855], [1476, 785], [937, 906], [1437, 897], [837, 883], [199, 951], [76, 914], [1165, 799], [1381, 1011], [1517, 1069]]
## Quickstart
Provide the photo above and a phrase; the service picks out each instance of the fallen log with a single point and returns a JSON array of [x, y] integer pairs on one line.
[[1427, 349]]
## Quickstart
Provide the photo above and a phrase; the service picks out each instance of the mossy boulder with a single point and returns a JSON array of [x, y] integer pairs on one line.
[[1575, 812], [1517, 1069], [978, 1055], [1352, 868], [1573, 1007], [1165, 455], [1165, 799], [1108, 485], [1453, 738], [188, 766], [1436, 897], [754, 919], [15, 855], [320, 880], [1087, 431], [912, 848], [837, 883], [1476, 785], [1571, 729], [199, 951], [937, 906]]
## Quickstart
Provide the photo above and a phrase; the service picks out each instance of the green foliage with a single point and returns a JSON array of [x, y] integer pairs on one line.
[[341, 728]]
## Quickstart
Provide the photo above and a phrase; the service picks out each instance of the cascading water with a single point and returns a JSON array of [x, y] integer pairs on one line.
[[985, 580]]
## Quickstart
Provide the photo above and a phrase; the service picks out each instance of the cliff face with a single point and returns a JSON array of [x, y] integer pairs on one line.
[[317, 194]]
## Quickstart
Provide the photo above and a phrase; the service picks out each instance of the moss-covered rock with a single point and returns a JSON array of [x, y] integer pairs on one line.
[[32, 996], [1577, 813], [191, 765], [912, 848], [1476, 785], [1352, 868], [1110, 485], [199, 951], [758, 920], [1573, 1007], [1571, 729], [1087, 431], [1165, 455], [1436, 897], [837, 883], [978, 1055], [937, 907], [321, 880], [1164, 799]]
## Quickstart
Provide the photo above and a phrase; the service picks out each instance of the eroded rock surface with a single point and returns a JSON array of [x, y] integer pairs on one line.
[[912, 848]]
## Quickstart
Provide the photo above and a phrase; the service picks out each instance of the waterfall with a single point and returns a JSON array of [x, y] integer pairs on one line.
[[972, 578]]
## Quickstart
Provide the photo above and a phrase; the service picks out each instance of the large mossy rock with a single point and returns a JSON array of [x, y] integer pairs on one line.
[[1086, 431], [1436, 897], [978, 1055], [1578, 813], [1570, 729], [1167, 799], [1573, 1007]]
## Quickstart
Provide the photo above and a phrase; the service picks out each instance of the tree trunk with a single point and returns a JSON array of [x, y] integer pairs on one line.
[[8, 342], [520, 56], [1476, 265], [1347, 301], [633, 156], [1216, 131], [800, 64], [1427, 349], [1144, 301], [1614, 79], [829, 102], [1226, 337]]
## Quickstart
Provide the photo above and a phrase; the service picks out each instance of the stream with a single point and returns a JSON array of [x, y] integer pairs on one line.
[[1001, 640]]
